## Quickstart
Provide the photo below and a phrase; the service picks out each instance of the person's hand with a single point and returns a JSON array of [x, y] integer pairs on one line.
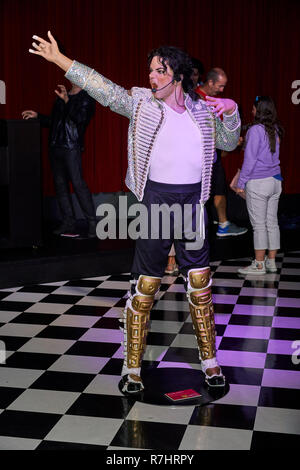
[[240, 190], [49, 50], [221, 105], [46, 49], [62, 93], [29, 114]]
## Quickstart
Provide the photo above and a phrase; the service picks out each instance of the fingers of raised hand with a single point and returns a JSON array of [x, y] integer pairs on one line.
[[39, 47], [52, 40], [229, 104], [217, 105], [43, 46], [41, 40], [220, 109]]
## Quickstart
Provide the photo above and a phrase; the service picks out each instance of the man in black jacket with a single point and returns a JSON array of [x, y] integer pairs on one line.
[[71, 113]]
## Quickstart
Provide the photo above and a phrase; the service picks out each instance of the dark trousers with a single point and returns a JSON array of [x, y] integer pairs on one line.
[[151, 255], [66, 167]]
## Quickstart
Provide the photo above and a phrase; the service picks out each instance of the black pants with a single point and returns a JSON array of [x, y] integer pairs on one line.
[[218, 178], [151, 255], [66, 167]]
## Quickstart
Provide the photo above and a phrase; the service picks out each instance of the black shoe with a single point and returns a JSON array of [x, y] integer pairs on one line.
[[129, 386], [66, 229], [215, 380]]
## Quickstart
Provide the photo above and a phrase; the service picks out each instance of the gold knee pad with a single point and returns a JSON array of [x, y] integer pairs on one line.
[[202, 311], [137, 316]]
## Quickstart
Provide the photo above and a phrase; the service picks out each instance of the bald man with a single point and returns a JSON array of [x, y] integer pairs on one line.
[[214, 84]]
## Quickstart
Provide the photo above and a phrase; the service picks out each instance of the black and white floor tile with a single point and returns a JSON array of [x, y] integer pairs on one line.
[[63, 357]]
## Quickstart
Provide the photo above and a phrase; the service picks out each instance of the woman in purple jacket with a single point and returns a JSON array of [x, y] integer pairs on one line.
[[260, 179]]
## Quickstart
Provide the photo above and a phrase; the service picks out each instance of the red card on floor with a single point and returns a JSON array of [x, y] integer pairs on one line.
[[183, 394]]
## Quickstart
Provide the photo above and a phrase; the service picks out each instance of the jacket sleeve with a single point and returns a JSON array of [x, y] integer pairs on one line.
[[44, 120], [250, 155], [58, 108], [100, 88], [228, 131]]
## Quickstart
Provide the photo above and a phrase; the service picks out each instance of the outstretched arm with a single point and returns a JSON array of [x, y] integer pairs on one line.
[[30, 114], [49, 51], [100, 88]]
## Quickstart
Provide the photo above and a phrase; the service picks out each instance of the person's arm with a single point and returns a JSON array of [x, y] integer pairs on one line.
[[250, 155], [44, 120], [103, 90], [30, 114], [228, 129]]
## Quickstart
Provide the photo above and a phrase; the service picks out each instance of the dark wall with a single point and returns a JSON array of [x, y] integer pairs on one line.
[[256, 42]]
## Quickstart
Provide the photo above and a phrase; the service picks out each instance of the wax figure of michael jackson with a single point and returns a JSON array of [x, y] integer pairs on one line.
[[172, 138]]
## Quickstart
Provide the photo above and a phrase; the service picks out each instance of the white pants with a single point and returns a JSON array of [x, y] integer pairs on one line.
[[262, 197]]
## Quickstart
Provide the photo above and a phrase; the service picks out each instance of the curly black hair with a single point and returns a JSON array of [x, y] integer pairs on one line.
[[181, 64]]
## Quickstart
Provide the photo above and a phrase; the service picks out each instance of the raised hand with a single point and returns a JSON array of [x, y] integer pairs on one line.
[[221, 105], [29, 114], [49, 51], [62, 93], [46, 49]]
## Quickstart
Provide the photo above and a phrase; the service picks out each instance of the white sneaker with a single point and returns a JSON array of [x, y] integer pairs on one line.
[[256, 267], [270, 265]]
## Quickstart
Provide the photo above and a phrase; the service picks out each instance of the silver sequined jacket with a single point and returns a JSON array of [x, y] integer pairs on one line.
[[147, 116]]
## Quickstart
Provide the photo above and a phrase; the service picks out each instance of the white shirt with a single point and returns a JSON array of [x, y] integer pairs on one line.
[[178, 151]]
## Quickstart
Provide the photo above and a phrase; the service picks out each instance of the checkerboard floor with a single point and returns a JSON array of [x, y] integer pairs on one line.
[[58, 386]]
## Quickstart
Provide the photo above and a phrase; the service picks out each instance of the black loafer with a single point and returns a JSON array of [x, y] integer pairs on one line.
[[129, 388], [215, 380]]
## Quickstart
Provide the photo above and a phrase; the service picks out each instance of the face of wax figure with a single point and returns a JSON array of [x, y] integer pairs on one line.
[[160, 77]]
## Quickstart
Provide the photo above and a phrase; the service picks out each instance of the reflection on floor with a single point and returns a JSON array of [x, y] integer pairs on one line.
[[58, 387]]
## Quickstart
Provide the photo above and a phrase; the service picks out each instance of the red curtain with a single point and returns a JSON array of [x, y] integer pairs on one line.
[[256, 42]]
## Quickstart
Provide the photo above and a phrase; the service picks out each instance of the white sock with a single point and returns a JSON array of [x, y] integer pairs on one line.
[[210, 364], [224, 224], [134, 371], [260, 263]]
